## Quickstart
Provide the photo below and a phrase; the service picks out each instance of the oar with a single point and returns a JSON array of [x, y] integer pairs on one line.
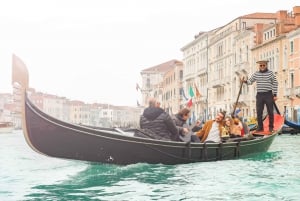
[[276, 108], [237, 99]]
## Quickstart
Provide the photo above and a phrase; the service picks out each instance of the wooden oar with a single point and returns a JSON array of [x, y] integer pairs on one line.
[[276, 108], [237, 99]]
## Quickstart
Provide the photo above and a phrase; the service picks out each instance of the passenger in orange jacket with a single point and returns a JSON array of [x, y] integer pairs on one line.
[[212, 129]]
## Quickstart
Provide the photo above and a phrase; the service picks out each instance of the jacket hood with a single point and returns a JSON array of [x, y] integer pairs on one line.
[[152, 113]]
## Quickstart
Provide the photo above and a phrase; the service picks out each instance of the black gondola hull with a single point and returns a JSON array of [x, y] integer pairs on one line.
[[55, 138]]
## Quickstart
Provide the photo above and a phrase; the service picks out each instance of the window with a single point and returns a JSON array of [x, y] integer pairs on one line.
[[219, 50], [148, 83], [292, 80], [292, 47], [244, 25]]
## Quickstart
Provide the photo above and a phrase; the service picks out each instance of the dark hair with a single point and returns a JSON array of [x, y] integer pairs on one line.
[[184, 111], [223, 113]]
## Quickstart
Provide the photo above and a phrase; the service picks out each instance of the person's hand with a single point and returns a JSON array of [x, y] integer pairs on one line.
[[198, 123], [242, 79], [275, 98], [185, 130]]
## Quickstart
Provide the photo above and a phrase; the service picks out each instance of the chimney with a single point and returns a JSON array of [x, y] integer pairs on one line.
[[296, 11], [281, 16], [259, 30]]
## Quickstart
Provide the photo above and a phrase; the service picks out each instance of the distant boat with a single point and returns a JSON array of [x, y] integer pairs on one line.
[[292, 124], [252, 127], [52, 137], [6, 127], [289, 130]]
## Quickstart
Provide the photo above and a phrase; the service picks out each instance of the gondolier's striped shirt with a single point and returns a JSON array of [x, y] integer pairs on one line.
[[265, 81]]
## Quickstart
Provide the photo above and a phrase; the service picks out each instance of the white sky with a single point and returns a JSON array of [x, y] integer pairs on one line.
[[94, 50]]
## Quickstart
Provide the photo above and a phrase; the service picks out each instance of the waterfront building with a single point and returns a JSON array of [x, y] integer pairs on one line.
[[171, 87], [53, 105], [157, 83], [195, 74], [78, 112], [214, 62], [292, 61], [226, 61], [8, 110], [126, 117], [6, 100], [275, 43]]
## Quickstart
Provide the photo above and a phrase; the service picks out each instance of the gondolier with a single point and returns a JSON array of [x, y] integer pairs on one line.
[[266, 86]]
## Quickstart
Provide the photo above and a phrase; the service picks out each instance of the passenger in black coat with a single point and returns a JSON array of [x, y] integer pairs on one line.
[[159, 123]]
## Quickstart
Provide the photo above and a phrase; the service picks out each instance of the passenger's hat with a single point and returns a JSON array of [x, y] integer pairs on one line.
[[262, 62]]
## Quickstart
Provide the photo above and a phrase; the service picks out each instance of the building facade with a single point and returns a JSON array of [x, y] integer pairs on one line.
[[216, 60]]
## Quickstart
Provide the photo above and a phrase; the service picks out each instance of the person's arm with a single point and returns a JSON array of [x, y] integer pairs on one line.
[[197, 126], [171, 125], [181, 129], [250, 80], [201, 132]]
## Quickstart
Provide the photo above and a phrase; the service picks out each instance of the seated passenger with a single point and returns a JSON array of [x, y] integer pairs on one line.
[[159, 123], [212, 129], [239, 115], [236, 128], [226, 128], [185, 133]]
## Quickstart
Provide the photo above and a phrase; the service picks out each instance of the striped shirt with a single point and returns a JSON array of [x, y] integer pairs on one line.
[[265, 81]]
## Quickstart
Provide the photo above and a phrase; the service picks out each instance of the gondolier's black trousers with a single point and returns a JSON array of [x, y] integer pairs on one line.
[[262, 99]]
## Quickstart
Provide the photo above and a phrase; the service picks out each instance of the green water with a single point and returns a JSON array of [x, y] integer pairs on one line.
[[26, 175]]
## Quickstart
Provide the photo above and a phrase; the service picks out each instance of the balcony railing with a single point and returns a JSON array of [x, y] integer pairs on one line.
[[221, 81], [201, 71], [291, 92], [288, 92], [216, 83]]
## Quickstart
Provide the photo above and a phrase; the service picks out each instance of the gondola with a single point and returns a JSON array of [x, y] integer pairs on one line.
[[289, 130], [292, 124], [55, 138]]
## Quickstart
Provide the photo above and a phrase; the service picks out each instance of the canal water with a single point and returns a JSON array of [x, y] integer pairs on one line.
[[27, 175]]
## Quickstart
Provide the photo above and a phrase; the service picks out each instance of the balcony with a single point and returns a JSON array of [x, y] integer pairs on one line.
[[216, 83], [201, 71], [288, 92], [221, 81], [292, 92]]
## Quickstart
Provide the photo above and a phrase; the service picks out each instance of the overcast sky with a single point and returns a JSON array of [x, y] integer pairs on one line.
[[94, 50]]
